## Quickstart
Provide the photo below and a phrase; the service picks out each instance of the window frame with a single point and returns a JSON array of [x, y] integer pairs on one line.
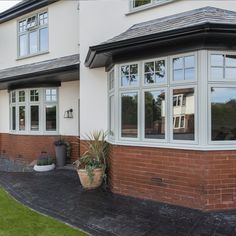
[[42, 114], [27, 32]]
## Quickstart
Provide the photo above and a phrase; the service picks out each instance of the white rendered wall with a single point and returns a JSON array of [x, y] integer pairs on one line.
[[63, 35], [69, 99], [101, 20], [4, 111]]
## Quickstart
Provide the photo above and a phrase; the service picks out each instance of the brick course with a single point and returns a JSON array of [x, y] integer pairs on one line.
[[28, 147], [203, 180]]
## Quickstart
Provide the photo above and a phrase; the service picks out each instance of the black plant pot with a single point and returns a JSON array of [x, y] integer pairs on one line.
[[60, 155]]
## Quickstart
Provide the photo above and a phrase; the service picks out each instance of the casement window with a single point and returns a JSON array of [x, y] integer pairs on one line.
[[33, 35], [140, 4], [34, 111]]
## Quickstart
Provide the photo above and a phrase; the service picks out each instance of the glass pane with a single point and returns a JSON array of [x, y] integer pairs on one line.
[[23, 51], [13, 97], [230, 60], [129, 110], [178, 75], [125, 72], [13, 118], [217, 60], [223, 114], [51, 120], [134, 69], [138, 3], [34, 95], [160, 71], [178, 63], [184, 114], [189, 62], [43, 39], [129, 75], [189, 74], [21, 96], [112, 116], [34, 118], [111, 78], [21, 117], [230, 73], [149, 78], [217, 73], [33, 45], [155, 114], [149, 67]]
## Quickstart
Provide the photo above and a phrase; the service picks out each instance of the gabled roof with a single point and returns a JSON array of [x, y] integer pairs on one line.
[[22, 8], [203, 19]]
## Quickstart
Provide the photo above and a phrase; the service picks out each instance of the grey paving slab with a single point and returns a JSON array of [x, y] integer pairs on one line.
[[99, 212]]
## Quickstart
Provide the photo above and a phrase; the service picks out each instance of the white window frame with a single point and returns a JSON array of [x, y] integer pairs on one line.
[[153, 3], [42, 114], [29, 30]]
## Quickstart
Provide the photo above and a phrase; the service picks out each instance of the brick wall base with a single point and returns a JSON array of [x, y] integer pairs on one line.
[[29, 147], [203, 180]]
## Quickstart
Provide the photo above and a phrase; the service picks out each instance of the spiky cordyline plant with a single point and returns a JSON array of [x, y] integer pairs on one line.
[[95, 155]]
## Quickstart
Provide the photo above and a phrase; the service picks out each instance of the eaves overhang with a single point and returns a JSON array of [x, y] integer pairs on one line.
[[103, 55]]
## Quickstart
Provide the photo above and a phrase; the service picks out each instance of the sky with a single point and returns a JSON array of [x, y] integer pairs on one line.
[[4, 5]]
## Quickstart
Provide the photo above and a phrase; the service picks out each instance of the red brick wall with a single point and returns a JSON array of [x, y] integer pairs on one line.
[[29, 147], [196, 179]]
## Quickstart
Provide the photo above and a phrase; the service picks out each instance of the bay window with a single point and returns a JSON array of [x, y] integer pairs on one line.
[[33, 35], [34, 110]]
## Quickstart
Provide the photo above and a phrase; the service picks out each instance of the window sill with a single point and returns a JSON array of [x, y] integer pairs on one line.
[[144, 8], [174, 145], [32, 55], [34, 133]]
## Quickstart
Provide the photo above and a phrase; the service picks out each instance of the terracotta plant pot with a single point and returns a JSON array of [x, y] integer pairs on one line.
[[85, 181]]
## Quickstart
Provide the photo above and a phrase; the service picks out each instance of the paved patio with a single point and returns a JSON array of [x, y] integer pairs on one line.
[[99, 212]]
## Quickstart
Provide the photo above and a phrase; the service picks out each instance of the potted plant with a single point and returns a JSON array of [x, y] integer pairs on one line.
[[44, 163], [60, 149], [91, 167]]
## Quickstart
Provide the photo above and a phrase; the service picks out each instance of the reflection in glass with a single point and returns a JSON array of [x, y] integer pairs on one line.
[[183, 114], [217, 73], [223, 114], [21, 117], [23, 45], [33, 46], [51, 114], [43, 39], [34, 118], [129, 75], [230, 73], [155, 114], [154, 72], [129, 119], [217, 60], [189, 62], [13, 118]]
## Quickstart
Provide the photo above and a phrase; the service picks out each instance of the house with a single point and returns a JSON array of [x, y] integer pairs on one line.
[[39, 77], [162, 80], [159, 75]]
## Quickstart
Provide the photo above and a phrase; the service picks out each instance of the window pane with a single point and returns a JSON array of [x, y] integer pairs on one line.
[[189, 62], [13, 97], [21, 96], [129, 110], [184, 114], [217, 73], [34, 118], [21, 117], [217, 60], [230, 60], [155, 114], [223, 114], [149, 78], [23, 45], [34, 95], [112, 115], [149, 67], [13, 118], [178, 75], [51, 121], [138, 3], [33, 46], [178, 63], [230, 73], [43, 39], [189, 74], [160, 71], [51, 95], [111, 78], [129, 75]]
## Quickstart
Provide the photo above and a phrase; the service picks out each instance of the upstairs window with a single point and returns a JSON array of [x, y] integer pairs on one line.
[[33, 35], [139, 4]]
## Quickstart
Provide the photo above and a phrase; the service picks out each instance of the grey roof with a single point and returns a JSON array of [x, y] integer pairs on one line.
[[178, 21], [38, 67]]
